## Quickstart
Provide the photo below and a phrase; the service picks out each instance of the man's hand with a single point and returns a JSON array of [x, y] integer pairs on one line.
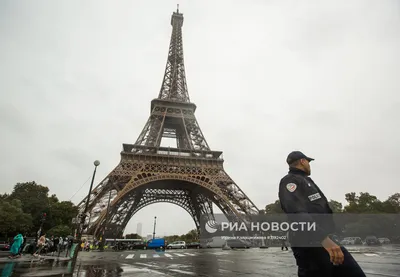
[[334, 251]]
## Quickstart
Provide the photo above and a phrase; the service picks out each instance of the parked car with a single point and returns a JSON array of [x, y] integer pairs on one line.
[[137, 245], [177, 245], [120, 246], [384, 240], [352, 241], [193, 245], [372, 240], [4, 246]]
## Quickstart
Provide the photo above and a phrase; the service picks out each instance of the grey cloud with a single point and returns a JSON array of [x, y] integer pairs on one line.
[[14, 120], [72, 156]]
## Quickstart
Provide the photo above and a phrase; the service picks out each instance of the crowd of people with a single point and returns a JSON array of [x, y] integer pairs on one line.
[[41, 245]]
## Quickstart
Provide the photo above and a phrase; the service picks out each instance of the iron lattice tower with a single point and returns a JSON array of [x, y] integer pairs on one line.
[[191, 175]]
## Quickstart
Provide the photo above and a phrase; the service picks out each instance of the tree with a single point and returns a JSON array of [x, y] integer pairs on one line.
[[191, 236], [274, 208], [33, 198], [365, 203], [12, 218], [133, 236], [336, 206], [35, 201], [59, 231], [63, 212], [392, 204]]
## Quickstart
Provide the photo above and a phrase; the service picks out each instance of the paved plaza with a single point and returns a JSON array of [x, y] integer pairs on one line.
[[379, 261]]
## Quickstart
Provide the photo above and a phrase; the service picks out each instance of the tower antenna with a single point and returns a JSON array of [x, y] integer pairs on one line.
[[177, 8]]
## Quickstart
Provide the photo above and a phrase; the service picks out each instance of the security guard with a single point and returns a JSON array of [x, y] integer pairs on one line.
[[302, 200]]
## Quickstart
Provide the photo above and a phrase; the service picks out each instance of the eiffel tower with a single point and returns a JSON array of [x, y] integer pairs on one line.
[[190, 175]]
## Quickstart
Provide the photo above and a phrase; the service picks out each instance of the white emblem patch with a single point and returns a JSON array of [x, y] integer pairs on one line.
[[291, 187], [314, 196]]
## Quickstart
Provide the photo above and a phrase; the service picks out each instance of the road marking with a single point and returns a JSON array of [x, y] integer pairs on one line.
[[143, 256], [226, 261], [149, 265], [371, 255], [180, 255], [156, 256], [220, 253], [380, 274], [132, 269], [190, 254], [167, 255], [130, 256], [183, 271]]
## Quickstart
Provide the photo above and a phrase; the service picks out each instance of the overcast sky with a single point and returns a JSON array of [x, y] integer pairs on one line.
[[268, 77]]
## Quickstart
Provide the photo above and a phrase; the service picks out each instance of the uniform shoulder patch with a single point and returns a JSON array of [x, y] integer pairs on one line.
[[291, 187]]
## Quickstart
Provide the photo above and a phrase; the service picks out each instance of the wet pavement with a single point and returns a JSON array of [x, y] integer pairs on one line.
[[375, 261]]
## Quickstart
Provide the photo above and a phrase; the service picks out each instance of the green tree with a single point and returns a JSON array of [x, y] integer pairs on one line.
[[392, 204], [384, 225], [33, 198], [35, 201], [12, 218], [274, 208], [365, 203], [133, 236], [62, 213], [336, 206], [191, 236], [59, 231]]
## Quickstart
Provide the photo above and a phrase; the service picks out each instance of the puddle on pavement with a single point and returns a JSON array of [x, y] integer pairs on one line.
[[54, 268]]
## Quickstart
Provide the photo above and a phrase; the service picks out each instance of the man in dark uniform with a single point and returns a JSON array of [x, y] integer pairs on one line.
[[316, 254]]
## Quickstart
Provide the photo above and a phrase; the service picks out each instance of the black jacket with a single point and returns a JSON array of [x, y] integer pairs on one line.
[[302, 200]]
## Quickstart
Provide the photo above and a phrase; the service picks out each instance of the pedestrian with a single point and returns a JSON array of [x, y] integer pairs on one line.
[[16, 246], [41, 244], [21, 249], [283, 244], [301, 198], [60, 245], [54, 247]]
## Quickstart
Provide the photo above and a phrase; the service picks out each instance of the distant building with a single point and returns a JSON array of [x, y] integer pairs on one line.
[[149, 237], [139, 229]]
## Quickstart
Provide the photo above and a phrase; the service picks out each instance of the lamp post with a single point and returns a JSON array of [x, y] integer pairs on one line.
[[83, 216], [154, 230], [42, 220]]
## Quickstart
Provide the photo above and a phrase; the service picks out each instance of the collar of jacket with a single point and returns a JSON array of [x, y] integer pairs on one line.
[[295, 170]]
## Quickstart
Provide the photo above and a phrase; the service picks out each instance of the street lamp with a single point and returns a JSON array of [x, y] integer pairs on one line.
[[83, 216], [154, 230], [42, 220]]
